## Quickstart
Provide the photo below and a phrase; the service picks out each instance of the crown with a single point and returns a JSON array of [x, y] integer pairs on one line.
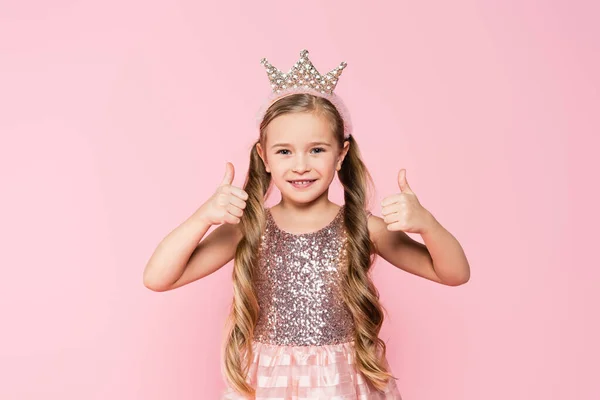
[[303, 75]]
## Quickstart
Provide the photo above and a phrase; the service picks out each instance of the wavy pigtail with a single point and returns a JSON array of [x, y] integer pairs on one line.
[[237, 351], [358, 289]]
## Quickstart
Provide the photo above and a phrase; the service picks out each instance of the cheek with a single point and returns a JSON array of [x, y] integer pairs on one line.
[[277, 166], [278, 170], [324, 163]]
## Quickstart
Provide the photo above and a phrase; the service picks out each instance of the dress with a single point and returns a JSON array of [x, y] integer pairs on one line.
[[303, 345]]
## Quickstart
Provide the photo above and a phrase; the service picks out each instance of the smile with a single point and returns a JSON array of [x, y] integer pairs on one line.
[[302, 183]]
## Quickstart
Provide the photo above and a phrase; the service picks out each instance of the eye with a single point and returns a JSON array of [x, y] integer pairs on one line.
[[280, 151], [319, 148]]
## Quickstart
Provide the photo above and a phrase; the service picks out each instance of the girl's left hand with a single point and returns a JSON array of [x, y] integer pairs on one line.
[[403, 212]]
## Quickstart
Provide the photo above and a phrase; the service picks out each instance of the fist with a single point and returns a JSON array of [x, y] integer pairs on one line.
[[403, 212], [227, 204]]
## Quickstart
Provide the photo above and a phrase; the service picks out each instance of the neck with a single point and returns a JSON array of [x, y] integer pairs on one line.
[[320, 205]]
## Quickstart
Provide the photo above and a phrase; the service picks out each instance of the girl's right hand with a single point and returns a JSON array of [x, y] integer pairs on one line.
[[227, 204]]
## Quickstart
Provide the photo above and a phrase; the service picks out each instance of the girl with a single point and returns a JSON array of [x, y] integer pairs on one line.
[[305, 315]]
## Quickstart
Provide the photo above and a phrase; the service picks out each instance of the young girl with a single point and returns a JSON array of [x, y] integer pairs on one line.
[[305, 315]]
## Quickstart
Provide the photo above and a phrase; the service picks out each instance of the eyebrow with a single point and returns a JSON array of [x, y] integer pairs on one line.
[[311, 143]]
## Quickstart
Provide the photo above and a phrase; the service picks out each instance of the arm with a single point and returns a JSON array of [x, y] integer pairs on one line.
[[441, 259], [179, 259]]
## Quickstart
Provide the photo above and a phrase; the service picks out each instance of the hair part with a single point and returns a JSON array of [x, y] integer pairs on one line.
[[358, 290]]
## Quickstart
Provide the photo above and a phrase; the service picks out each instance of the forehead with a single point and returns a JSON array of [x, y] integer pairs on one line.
[[298, 128]]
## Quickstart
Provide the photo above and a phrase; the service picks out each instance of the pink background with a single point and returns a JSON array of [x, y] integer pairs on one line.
[[117, 119]]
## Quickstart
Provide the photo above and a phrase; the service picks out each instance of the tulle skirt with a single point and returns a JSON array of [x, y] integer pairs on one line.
[[309, 372]]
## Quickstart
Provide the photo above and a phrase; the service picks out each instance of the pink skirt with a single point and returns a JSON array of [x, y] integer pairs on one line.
[[309, 372]]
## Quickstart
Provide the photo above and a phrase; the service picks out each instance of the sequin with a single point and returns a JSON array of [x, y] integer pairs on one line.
[[298, 286]]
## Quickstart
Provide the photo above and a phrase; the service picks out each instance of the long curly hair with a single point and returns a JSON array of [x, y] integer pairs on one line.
[[359, 292]]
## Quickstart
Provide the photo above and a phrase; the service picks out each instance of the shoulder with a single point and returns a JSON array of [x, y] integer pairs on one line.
[[376, 226]]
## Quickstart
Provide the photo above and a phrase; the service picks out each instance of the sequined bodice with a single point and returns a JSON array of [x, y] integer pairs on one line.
[[298, 285]]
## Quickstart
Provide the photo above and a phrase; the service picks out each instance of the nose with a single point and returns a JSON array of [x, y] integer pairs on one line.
[[300, 164]]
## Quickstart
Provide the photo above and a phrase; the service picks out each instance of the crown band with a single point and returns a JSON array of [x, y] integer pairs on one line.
[[303, 77]]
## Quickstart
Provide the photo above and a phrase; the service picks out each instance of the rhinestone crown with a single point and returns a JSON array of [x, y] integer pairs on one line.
[[303, 75]]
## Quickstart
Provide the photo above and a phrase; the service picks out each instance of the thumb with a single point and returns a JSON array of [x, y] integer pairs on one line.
[[229, 173], [403, 183]]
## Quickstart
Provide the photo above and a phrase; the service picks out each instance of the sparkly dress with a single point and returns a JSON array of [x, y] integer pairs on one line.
[[303, 345]]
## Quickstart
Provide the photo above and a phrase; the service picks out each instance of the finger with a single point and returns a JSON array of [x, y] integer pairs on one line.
[[402, 182], [235, 210], [241, 193], [236, 201], [391, 217], [390, 209], [396, 226], [229, 173], [231, 219], [390, 200]]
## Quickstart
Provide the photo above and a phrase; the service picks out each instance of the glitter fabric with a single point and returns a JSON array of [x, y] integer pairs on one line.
[[303, 345], [298, 286]]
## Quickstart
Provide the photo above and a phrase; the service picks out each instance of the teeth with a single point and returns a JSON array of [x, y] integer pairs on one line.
[[302, 183]]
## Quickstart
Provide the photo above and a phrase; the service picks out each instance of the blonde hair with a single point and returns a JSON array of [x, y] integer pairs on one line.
[[359, 292]]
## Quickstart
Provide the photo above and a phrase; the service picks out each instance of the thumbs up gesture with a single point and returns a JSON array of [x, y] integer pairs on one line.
[[403, 212], [227, 204]]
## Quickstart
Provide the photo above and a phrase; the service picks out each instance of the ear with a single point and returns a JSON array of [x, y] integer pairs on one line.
[[259, 150], [342, 155]]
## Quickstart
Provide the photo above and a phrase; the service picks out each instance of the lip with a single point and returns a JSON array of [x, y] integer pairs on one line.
[[302, 187]]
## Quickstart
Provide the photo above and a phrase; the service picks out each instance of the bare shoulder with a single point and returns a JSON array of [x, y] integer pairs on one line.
[[375, 225]]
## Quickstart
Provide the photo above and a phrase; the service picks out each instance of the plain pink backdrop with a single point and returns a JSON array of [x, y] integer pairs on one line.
[[117, 119]]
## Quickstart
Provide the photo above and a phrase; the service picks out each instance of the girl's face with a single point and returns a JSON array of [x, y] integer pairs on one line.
[[300, 147]]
